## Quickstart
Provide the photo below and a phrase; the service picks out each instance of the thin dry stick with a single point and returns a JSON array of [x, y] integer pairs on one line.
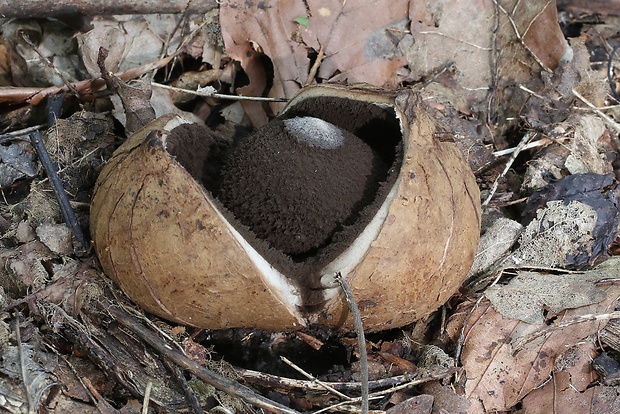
[[551, 329], [526, 138], [315, 67], [531, 92], [610, 122], [269, 380], [63, 201], [72, 369], [218, 381], [22, 363], [209, 92], [315, 380], [361, 339], [531, 145], [147, 397], [520, 38], [20, 134], [381, 394], [66, 81], [190, 396]]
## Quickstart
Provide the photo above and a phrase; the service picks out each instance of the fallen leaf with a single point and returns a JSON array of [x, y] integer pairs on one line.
[[497, 377], [498, 50], [527, 294], [576, 220], [356, 48], [570, 389], [421, 404]]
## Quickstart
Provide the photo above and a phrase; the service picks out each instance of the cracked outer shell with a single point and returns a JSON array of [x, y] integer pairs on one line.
[[429, 238], [159, 236]]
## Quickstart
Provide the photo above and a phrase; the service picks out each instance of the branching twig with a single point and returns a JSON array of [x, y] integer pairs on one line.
[[361, 340], [269, 380], [311, 378], [610, 122], [380, 394], [526, 138], [550, 329], [520, 37], [66, 81], [61, 195]]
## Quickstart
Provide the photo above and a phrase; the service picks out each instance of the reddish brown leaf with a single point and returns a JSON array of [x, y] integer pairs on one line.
[[496, 378]]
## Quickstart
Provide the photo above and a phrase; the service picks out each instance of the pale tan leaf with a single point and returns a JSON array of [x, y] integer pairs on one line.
[[526, 295]]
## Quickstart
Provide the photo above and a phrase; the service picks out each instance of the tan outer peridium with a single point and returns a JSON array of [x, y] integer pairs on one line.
[[159, 237], [429, 238]]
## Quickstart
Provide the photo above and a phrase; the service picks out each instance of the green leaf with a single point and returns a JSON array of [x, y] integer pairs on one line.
[[302, 21]]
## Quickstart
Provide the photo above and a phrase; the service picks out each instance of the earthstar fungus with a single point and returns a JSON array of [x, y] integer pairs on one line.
[[345, 180]]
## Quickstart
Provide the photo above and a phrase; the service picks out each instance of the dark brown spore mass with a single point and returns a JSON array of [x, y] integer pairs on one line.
[[294, 195], [203, 153]]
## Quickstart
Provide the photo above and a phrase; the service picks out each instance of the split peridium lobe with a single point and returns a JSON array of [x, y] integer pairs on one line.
[[380, 128]]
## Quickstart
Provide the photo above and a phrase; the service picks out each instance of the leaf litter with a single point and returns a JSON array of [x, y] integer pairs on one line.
[[530, 342]]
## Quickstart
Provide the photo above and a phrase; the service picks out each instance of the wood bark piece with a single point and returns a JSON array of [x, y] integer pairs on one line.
[[44, 8]]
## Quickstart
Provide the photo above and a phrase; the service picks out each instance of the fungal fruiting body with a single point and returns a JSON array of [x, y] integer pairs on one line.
[[345, 180]]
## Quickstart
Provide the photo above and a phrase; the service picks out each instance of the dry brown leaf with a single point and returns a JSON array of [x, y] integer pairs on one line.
[[497, 379], [569, 388], [272, 29], [439, 39], [357, 49], [421, 404]]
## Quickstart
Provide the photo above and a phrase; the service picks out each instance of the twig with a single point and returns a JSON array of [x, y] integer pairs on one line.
[[610, 122], [526, 138], [14, 135], [315, 66], [361, 340], [34, 47], [315, 380], [61, 195], [102, 405], [270, 380], [531, 92], [189, 394], [553, 328], [22, 363], [147, 397], [47, 9], [379, 394], [531, 145], [520, 38], [210, 93], [438, 33], [218, 381]]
